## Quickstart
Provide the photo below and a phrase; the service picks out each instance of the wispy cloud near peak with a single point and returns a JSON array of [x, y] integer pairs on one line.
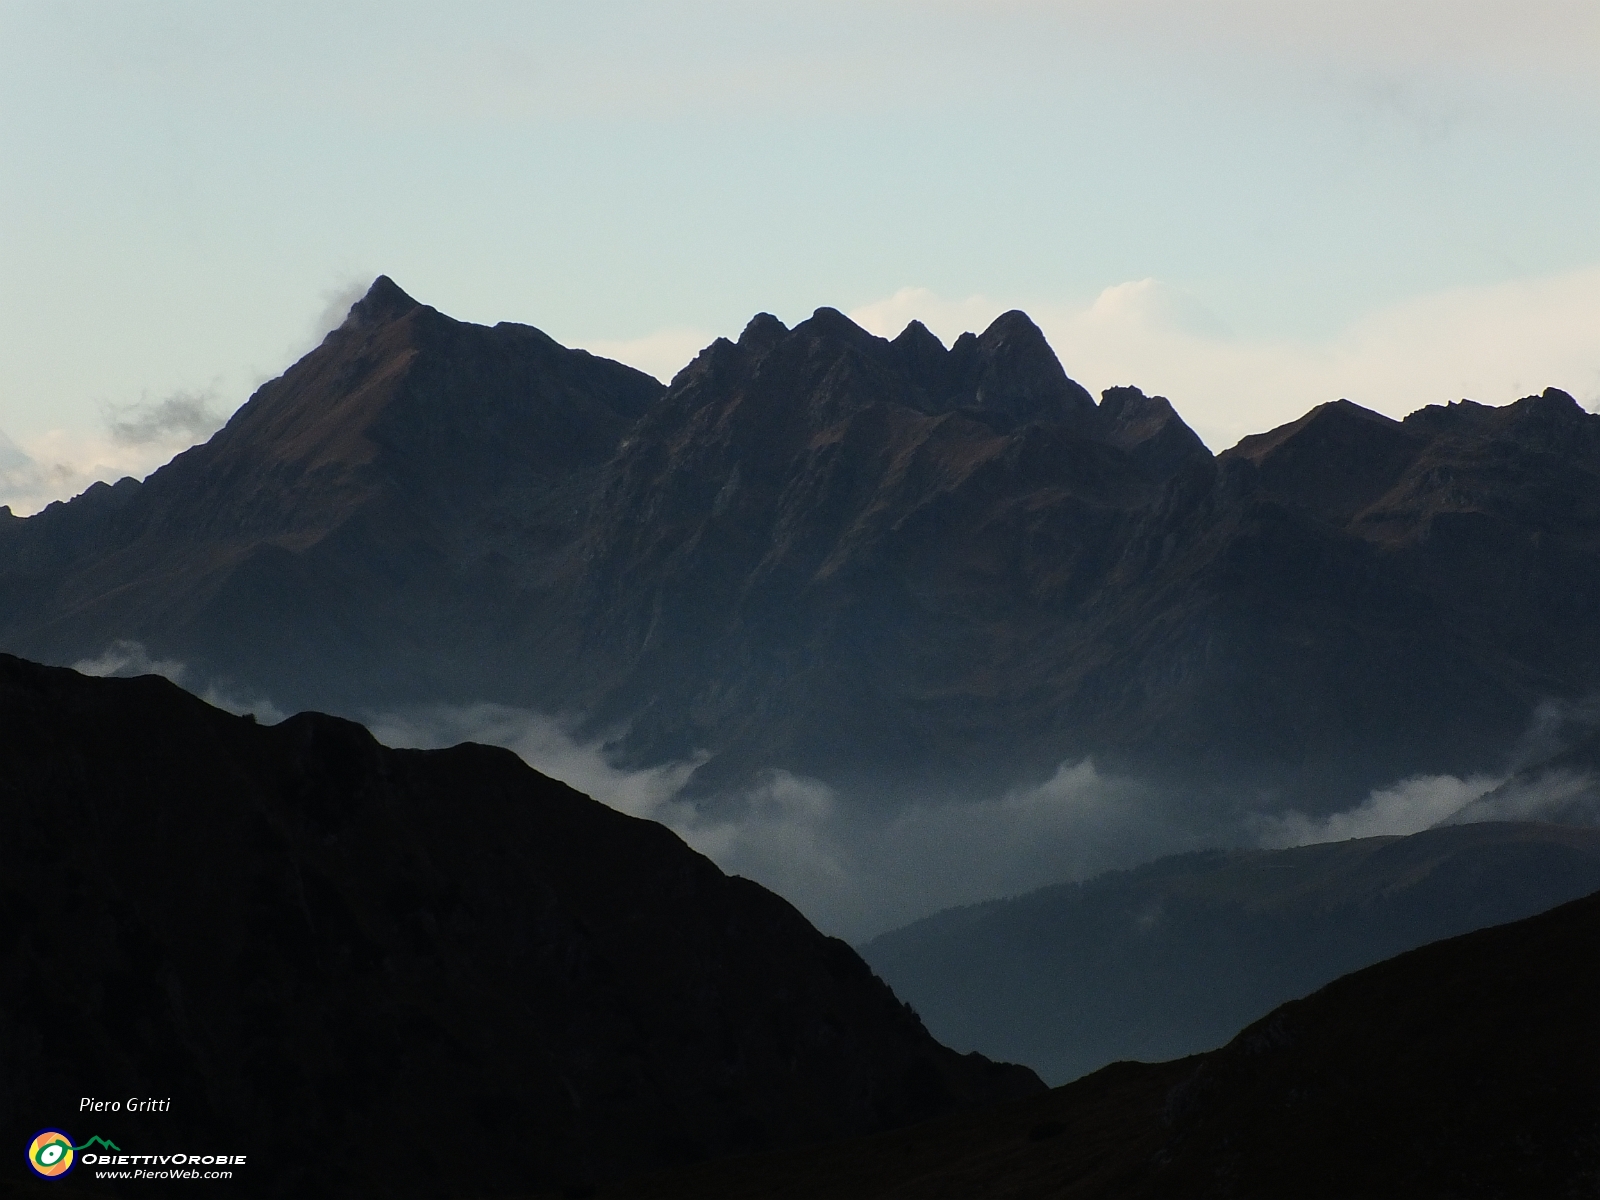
[[183, 416]]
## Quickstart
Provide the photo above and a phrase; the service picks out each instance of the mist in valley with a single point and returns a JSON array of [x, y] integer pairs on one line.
[[857, 867], [858, 864]]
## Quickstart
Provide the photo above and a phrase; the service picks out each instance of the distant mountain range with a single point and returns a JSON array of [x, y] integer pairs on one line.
[[902, 568], [1464, 1069], [403, 973], [1173, 957]]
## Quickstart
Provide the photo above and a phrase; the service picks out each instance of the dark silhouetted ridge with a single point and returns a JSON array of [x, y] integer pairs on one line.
[[350, 962], [1173, 957], [1336, 460], [1466, 1068]]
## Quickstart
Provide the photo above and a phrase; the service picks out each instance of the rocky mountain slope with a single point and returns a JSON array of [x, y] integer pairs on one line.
[[1172, 958], [1463, 1069], [406, 973], [365, 528], [901, 568]]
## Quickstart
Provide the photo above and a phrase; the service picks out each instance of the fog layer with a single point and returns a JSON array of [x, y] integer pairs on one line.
[[858, 868]]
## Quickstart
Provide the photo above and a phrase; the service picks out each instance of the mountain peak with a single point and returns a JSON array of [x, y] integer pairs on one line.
[[1336, 460], [763, 333], [1016, 375], [923, 355], [1552, 404], [1150, 429], [384, 301], [1010, 325], [1554, 395], [917, 334], [1337, 419], [831, 323]]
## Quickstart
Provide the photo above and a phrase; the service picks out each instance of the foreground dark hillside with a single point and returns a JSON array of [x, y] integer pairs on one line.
[[903, 568], [1173, 957], [1464, 1070], [403, 973]]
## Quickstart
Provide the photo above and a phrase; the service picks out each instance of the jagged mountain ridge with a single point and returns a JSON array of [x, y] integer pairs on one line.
[[829, 533], [412, 973], [885, 563]]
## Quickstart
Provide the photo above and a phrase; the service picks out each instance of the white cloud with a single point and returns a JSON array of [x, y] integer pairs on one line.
[[1565, 797], [133, 439], [1407, 807], [544, 743], [126, 658], [1412, 805], [857, 869], [854, 868], [183, 417], [60, 463], [1501, 36], [1493, 343], [336, 303]]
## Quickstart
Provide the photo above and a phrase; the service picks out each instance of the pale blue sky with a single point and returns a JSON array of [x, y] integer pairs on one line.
[[1252, 205]]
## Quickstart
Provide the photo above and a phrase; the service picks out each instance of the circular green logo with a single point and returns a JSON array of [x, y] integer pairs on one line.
[[50, 1153]]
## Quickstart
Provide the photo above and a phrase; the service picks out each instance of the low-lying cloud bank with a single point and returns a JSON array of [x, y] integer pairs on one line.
[[126, 658], [853, 868], [1561, 795], [858, 868], [544, 743], [1537, 785]]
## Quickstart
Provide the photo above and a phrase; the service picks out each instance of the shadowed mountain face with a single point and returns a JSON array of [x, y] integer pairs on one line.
[[835, 548], [407, 973], [889, 564], [1172, 958], [366, 528], [1464, 1070]]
